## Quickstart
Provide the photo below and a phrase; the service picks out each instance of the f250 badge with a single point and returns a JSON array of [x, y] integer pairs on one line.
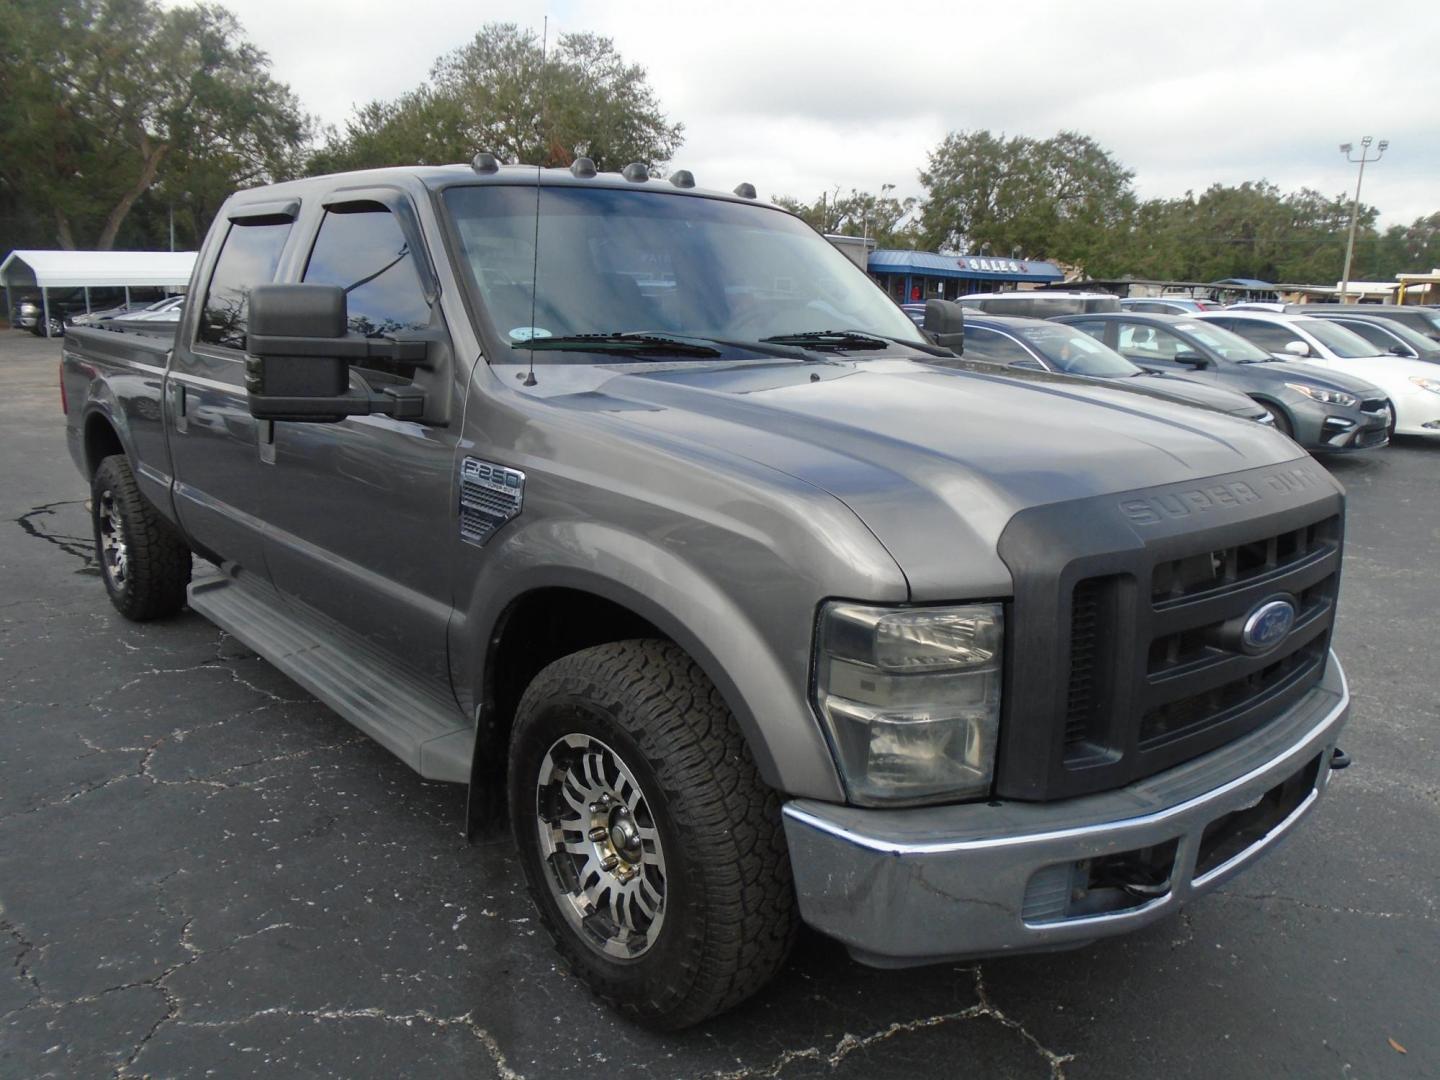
[[490, 496]]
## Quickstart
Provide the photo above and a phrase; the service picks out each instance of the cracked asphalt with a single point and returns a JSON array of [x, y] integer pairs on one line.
[[204, 871]]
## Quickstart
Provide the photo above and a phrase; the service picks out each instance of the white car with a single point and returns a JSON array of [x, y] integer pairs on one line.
[[1412, 386]]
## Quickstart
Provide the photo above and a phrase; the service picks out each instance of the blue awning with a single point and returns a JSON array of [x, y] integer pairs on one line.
[[974, 267], [1244, 282]]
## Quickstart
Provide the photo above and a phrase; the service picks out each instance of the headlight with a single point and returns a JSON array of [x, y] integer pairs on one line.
[[1433, 385], [912, 698], [1329, 397]]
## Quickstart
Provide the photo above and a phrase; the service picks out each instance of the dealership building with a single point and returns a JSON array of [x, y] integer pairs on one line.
[[915, 276]]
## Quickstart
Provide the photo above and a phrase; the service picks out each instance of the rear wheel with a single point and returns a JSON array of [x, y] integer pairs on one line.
[[143, 559], [652, 849]]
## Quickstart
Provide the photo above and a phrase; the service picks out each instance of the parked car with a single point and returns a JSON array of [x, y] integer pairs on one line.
[[133, 310], [1421, 319], [1388, 336], [736, 608], [1041, 345], [1412, 386], [1039, 303], [24, 314], [1324, 412], [1168, 305]]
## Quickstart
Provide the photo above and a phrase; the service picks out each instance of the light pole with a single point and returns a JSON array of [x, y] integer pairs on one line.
[[1363, 160]]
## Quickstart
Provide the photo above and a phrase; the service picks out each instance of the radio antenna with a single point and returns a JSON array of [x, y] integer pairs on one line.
[[535, 265]]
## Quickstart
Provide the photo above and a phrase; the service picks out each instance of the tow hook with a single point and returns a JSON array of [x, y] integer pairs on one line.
[[1339, 760]]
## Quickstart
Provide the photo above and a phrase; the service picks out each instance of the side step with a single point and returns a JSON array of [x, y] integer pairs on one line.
[[414, 719]]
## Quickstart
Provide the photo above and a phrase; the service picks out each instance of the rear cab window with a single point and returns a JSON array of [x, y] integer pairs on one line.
[[249, 256]]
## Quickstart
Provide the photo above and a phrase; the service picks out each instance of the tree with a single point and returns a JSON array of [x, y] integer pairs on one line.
[[1065, 198], [103, 99], [884, 218], [501, 93]]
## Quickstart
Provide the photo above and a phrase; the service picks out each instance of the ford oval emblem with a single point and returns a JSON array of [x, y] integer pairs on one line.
[[1267, 626]]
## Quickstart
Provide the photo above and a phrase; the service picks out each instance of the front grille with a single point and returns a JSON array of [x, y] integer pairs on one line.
[[1197, 677], [1125, 635]]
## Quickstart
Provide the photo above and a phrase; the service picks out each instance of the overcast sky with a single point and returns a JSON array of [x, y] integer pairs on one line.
[[799, 97]]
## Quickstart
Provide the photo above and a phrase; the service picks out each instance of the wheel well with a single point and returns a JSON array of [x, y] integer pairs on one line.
[[100, 442], [537, 629]]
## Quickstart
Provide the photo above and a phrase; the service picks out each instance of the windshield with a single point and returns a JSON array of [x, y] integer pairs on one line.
[[639, 262], [1226, 345], [1075, 352], [1345, 344]]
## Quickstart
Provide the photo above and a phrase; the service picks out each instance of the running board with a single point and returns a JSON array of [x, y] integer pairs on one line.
[[416, 721]]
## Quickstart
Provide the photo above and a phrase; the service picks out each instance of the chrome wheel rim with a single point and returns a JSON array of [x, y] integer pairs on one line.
[[114, 552], [599, 847]]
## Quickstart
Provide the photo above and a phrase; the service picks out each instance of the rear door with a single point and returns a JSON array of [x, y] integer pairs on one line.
[[213, 444], [362, 512]]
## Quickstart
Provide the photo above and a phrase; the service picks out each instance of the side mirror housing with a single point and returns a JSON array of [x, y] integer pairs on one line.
[[299, 355], [945, 323], [1401, 350], [1194, 360], [1297, 348]]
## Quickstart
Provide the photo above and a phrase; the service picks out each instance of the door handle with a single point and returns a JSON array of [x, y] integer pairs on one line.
[[177, 406]]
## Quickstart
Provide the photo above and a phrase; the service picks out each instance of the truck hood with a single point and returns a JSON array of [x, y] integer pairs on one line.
[[934, 460]]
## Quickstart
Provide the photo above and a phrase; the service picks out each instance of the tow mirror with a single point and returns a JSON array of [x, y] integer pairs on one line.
[[945, 323], [1297, 348], [300, 351]]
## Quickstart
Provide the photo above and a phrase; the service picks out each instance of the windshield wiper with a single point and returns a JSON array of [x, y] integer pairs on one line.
[[830, 339], [619, 342]]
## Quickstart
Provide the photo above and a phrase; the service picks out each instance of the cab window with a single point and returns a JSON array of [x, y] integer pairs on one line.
[[362, 248], [248, 257]]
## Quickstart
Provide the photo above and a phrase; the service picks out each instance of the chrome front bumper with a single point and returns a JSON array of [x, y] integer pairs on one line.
[[915, 886]]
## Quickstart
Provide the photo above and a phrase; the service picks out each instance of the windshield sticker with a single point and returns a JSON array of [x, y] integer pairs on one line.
[[528, 333]]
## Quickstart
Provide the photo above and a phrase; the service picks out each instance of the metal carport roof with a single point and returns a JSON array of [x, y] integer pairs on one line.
[[72, 269]]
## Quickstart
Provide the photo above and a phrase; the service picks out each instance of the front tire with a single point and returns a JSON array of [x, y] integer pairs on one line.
[[653, 851], [143, 559]]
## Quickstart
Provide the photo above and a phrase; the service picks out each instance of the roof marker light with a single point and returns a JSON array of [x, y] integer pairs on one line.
[[485, 163], [636, 172], [683, 178], [745, 191], [582, 168]]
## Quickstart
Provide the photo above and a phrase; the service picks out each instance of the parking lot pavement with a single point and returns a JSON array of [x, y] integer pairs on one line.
[[203, 870]]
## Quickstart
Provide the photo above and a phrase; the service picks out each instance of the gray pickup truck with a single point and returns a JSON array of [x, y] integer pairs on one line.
[[640, 510]]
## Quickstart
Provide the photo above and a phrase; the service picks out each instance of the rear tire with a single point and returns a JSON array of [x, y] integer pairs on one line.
[[143, 559], [625, 756]]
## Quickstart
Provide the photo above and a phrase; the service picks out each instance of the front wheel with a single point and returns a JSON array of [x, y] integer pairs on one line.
[[1283, 423], [652, 849]]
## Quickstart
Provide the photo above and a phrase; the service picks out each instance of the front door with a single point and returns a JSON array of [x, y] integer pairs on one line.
[[362, 514], [1157, 349]]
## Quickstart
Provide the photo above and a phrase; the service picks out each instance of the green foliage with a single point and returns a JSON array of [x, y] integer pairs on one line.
[[885, 219], [502, 94], [1061, 198], [103, 101], [1068, 199]]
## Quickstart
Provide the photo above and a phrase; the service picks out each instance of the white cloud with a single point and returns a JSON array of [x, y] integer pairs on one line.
[[800, 97]]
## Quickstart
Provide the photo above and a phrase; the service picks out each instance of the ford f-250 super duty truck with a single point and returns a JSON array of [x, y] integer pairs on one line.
[[639, 509]]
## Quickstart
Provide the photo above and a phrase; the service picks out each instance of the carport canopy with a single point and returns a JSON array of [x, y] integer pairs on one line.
[[76, 269], [47, 270]]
